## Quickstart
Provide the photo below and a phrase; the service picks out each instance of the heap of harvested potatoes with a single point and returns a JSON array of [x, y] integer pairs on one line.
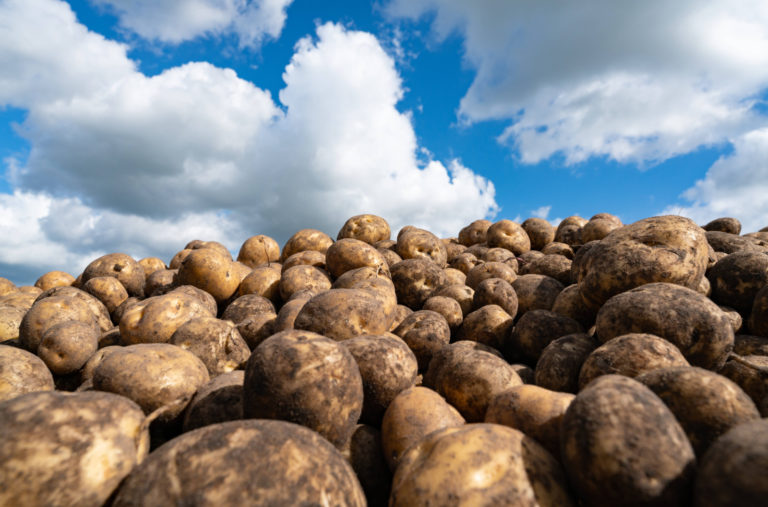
[[594, 363]]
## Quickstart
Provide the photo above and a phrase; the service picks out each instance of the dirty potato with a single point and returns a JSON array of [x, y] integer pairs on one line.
[[534, 331], [560, 362], [474, 233], [540, 232], [121, 266], [416, 280], [67, 346], [53, 279], [303, 277], [510, 235], [306, 239], [108, 290], [368, 228], [258, 250], [489, 325], [220, 400], [155, 319], [421, 244], [425, 332], [216, 342], [347, 254], [22, 372], [211, 271], [536, 292]]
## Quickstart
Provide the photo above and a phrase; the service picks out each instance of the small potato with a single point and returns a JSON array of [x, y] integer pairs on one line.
[[220, 400], [510, 235], [555, 266], [454, 277], [416, 280], [421, 244], [540, 232], [448, 308], [347, 254], [501, 255], [306, 239], [570, 304], [120, 266], [303, 277], [160, 282], [488, 325], [288, 313], [253, 316], [490, 270], [67, 346], [425, 332], [367, 228], [737, 278], [211, 271], [178, 258], [597, 229], [447, 353], [263, 281], [534, 331], [120, 310], [536, 292], [304, 258], [560, 362], [474, 233], [258, 250], [461, 294], [53, 279], [412, 415], [478, 250], [49, 312], [751, 374], [216, 342], [151, 264], [22, 372], [555, 248], [305, 378], [401, 312], [155, 319], [535, 411], [108, 290], [452, 248], [465, 261]]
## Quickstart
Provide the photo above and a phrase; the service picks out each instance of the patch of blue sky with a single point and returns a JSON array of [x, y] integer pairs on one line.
[[12, 145]]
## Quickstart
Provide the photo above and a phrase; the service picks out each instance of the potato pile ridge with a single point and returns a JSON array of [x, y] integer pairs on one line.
[[590, 363]]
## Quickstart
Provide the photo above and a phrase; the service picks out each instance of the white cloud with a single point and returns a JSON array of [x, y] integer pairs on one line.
[[144, 164], [633, 81], [175, 21], [541, 212], [736, 185]]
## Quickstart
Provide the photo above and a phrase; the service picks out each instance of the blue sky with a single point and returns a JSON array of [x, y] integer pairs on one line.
[[136, 126]]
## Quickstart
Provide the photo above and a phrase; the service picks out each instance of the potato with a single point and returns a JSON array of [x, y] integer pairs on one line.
[[488, 325], [211, 271], [732, 243], [367, 228], [416, 280], [17, 299], [155, 319], [303, 277], [535, 292], [263, 281], [401, 312], [411, 416], [217, 343], [454, 277], [490, 270], [452, 248], [539, 231], [560, 362], [535, 411], [120, 310], [630, 355], [681, 316], [747, 345], [306, 378], [387, 244], [214, 466], [347, 254], [220, 400], [22, 372], [447, 307], [496, 291], [387, 367], [706, 404], [253, 316], [751, 374], [732, 472], [569, 234], [304, 258], [178, 258], [479, 464], [258, 250], [53, 279], [734, 317], [67, 346], [570, 304], [459, 293], [241, 271], [425, 332], [6, 286], [97, 308], [286, 317], [737, 278], [524, 371], [79, 457], [465, 261], [724, 224], [10, 320], [449, 351], [474, 233], [534, 331], [151, 264], [364, 453], [201, 296], [390, 256], [597, 229], [669, 249], [86, 373], [620, 445], [500, 255], [153, 375], [555, 248], [306, 239], [49, 312], [758, 319], [120, 266], [108, 290], [469, 378], [160, 282], [510, 235], [198, 244], [555, 266], [421, 244]]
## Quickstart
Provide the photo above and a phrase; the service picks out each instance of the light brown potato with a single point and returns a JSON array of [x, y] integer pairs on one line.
[[510, 235], [160, 282], [496, 291], [454, 277], [364, 453], [306, 239], [305, 378], [597, 229], [447, 307], [619, 441], [97, 308], [751, 374], [198, 244], [501, 255], [30, 289], [465, 261], [201, 296], [348, 254], [535, 292], [18, 299], [254, 317], [687, 319], [539, 231], [288, 313], [560, 362], [390, 256], [303, 277], [61, 460], [412, 415], [452, 248], [446, 354], [216, 342], [425, 332], [22, 372], [490, 270], [211, 271], [151, 264], [67, 346], [53, 279], [570, 304], [474, 233], [724, 242], [555, 248], [534, 331], [241, 270], [461, 294], [153, 375], [6, 286], [10, 320], [258, 250], [421, 244], [86, 373], [155, 319], [555, 266], [479, 464], [387, 367], [304, 258], [401, 312], [489, 325], [214, 466], [535, 411], [368, 228], [478, 250], [49, 312], [263, 281], [178, 258], [416, 280], [108, 290], [220, 400], [120, 266], [737, 278]]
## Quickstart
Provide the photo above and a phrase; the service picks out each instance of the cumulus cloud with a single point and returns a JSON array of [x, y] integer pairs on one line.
[[144, 164], [632, 81], [175, 21]]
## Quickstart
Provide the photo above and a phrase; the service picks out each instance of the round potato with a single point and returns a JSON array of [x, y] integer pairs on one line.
[[421, 244], [263, 281], [216, 342], [220, 400], [534, 331], [367, 228], [461, 294], [737, 278], [724, 224], [306, 239], [303, 277], [560, 362], [211, 271], [536, 292], [67, 346], [751, 374], [160, 282], [500, 255], [53, 279], [6, 286], [10, 320], [49, 312], [569, 234], [496, 291], [510, 235], [401, 312], [254, 317], [570, 304], [416, 280], [258, 250], [489, 325], [490, 270], [304, 258], [108, 290], [155, 319], [178, 258], [447, 307], [390, 256], [555, 248], [347, 254], [22, 372], [86, 373], [555, 266], [198, 244], [452, 248], [725, 242], [151, 264], [97, 308], [540, 232], [120, 266], [286, 317], [474, 233], [598, 228], [425, 332], [464, 262]]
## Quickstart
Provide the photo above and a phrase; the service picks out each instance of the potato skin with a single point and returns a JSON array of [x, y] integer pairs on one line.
[[220, 400], [348, 253], [216, 342], [724, 224], [570, 304], [425, 332], [417, 243], [67, 346], [53, 279], [474, 233], [22, 372], [10, 320], [488, 270], [368, 228], [479, 464], [489, 325], [447, 307], [303, 277], [536, 292], [62, 461], [121, 266], [461, 294], [534, 331], [510, 235], [364, 453], [751, 374], [258, 250], [556, 266], [108, 290], [306, 378], [306, 239], [620, 445], [155, 319], [151, 264], [560, 362], [737, 278], [214, 466], [211, 271], [539, 231], [263, 281], [416, 280], [49, 312]]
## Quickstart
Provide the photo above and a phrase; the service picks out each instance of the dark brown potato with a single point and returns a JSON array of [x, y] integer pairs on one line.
[[536, 292], [421, 244], [348, 254], [597, 229], [217, 343], [534, 331], [447, 307], [496, 291], [488, 325], [211, 271], [151, 264], [751, 374], [367, 228], [303, 277], [560, 362], [555, 248], [555, 266], [490, 270], [53, 279], [425, 332], [758, 319], [706, 404], [724, 224], [570, 303], [747, 345], [214, 466], [732, 472], [465, 261], [452, 248], [120, 266], [479, 464], [474, 233], [570, 234], [67, 346], [622, 446], [724, 242], [22, 372], [258, 250], [525, 372], [681, 316], [160, 282], [64, 460], [540, 232], [254, 316], [364, 453], [416, 281], [220, 400], [306, 378], [306, 239], [737, 278], [510, 235], [387, 367]]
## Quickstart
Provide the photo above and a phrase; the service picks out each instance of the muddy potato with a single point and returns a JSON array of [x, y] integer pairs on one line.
[[364, 453], [258, 250], [368, 228], [401, 312], [536, 292], [630, 355], [390, 256], [425, 332], [474, 233], [620, 445], [540, 232], [62, 460], [303, 277], [178, 258], [687, 319], [479, 464], [254, 317], [465, 261], [358, 277], [734, 317], [447, 353], [306, 239], [22, 372], [108, 290], [560, 362], [555, 266], [724, 224], [263, 281], [96, 307], [347, 254], [416, 280], [412, 415], [305, 378], [304, 258], [597, 229], [447, 307], [570, 304], [220, 400], [751, 374], [570, 234], [241, 271], [53, 279], [454, 277], [211, 271], [151, 264], [748, 345], [500, 255], [421, 244], [18, 299], [160, 282], [387, 367], [86, 372], [706, 404], [10, 320], [67, 346], [461, 294], [198, 244], [6, 286], [199, 295], [737, 278], [495, 291], [510, 235], [216, 342], [288, 313], [758, 319], [534, 410], [488, 325], [534, 331], [558, 249], [120, 266], [732, 472], [155, 319], [452, 248], [724, 242], [49, 312], [490, 270]]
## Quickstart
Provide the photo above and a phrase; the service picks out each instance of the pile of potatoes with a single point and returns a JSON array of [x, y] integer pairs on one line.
[[592, 363]]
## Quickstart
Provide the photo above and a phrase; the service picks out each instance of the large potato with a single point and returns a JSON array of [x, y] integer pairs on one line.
[[347, 254], [22, 372], [367, 228], [216, 342], [220, 400], [306, 239], [209, 270], [77, 457], [416, 280], [534, 331], [622, 446], [258, 250], [693, 323], [121, 266], [560, 362], [306, 378], [155, 319], [216, 465], [421, 244], [479, 464], [303, 258]]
